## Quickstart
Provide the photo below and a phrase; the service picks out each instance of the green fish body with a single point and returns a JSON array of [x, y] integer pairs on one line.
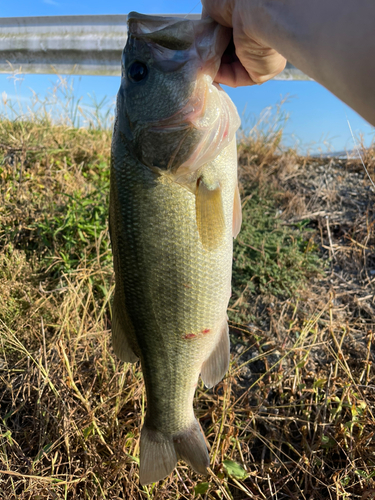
[[174, 209]]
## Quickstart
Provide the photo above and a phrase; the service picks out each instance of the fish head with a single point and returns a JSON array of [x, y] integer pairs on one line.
[[167, 102]]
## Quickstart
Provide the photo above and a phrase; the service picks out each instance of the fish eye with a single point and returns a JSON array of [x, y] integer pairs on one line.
[[137, 71]]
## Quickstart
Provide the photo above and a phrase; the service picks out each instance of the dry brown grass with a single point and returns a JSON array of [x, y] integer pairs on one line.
[[296, 410]]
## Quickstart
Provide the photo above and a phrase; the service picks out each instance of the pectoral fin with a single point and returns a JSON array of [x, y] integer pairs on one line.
[[210, 215], [237, 212]]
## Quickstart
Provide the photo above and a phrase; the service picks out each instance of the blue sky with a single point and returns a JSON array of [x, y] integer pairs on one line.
[[317, 119]]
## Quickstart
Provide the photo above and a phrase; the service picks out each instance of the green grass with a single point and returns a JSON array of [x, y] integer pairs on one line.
[[270, 256], [71, 231]]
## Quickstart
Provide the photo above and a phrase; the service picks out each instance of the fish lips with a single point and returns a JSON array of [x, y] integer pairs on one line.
[[201, 42]]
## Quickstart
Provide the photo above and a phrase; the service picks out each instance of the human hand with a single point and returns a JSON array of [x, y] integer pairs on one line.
[[247, 60]]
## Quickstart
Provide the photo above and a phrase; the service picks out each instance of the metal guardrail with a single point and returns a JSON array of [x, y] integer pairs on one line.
[[78, 45]]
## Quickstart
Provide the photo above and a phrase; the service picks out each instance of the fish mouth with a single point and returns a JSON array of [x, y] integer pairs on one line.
[[204, 39]]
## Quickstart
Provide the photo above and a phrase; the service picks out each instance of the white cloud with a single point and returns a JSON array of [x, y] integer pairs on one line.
[[51, 2]]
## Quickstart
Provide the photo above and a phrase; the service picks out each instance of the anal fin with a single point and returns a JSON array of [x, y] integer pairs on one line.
[[210, 215], [216, 366], [121, 330]]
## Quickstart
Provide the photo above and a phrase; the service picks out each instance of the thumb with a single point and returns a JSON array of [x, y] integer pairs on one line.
[[220, 10], [204, 13]]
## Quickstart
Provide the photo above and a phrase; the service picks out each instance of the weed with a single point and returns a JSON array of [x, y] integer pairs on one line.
[[271, 257]]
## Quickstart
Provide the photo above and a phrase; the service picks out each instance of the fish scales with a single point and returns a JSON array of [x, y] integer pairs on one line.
[[172, 269], [167, 266]]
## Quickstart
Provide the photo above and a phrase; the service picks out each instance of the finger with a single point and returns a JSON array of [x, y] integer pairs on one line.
[[249, 65], [220, 10], [204, 13], [273, 70], [261, 62], [233, 75]]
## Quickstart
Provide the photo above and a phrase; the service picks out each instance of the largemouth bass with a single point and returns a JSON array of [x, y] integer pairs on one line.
[[174, 209]]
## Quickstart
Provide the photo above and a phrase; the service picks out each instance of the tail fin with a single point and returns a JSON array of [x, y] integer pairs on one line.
[[160, 452], [191, 447], [158, 456]]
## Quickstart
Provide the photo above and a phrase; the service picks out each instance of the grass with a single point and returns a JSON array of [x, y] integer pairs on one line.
[[270, 257], [293, 418]]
